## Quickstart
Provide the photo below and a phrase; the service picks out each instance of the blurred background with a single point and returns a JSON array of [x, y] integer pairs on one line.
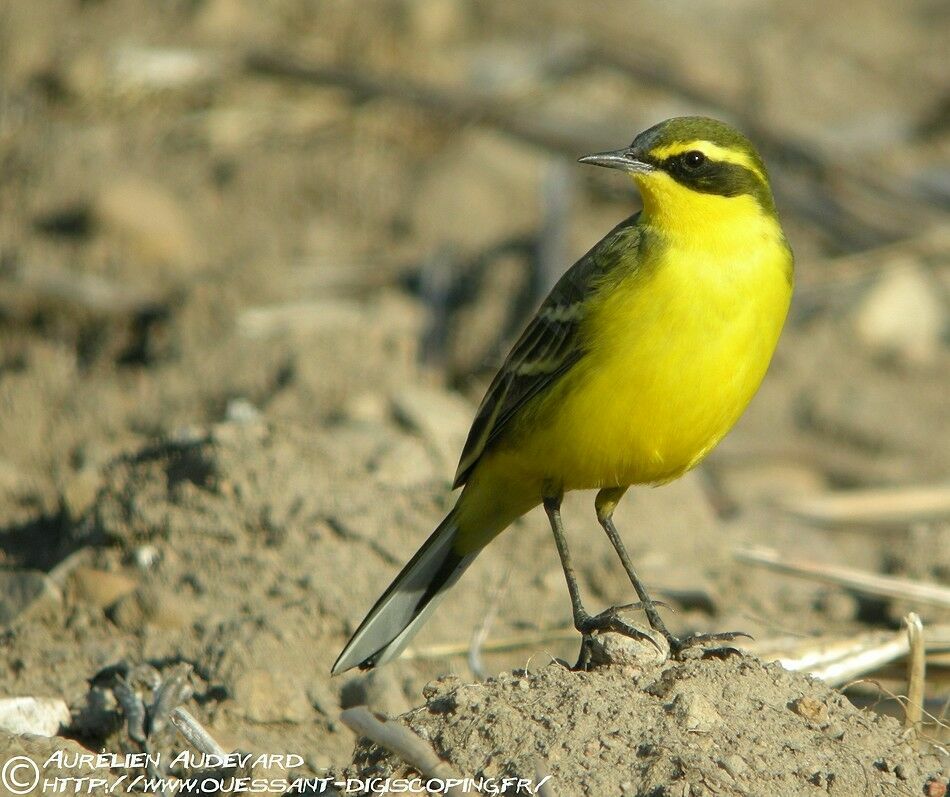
[[259, 261]]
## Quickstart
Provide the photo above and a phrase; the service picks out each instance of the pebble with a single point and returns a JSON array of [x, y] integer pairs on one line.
[[734, 765], [936, 787], [145, 557], [812, 710], [149, 606], [903, 315], [695, 713], [443, 685], [101, 588], [147, 69], [147, 218], [43, 716], [617, 650], [240, 410], [367, 407]]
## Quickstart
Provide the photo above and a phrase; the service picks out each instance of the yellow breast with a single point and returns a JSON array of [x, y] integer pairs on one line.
[[676, 350]]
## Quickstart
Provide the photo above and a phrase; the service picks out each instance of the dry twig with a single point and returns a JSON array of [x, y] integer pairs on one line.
[[916, 672], [195, 733], [850, 578], [889, 507], [481, 631], [401, 741]]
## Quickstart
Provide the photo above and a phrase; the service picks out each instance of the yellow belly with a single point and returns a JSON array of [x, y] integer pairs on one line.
[[675, 355]]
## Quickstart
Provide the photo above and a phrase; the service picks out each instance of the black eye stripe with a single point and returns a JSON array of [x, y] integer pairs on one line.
[[719, 177]]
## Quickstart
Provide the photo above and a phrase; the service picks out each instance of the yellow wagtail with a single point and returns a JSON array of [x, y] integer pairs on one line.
[[641, 358]]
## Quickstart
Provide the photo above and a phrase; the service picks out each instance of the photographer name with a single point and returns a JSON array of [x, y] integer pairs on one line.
[[184, 759]]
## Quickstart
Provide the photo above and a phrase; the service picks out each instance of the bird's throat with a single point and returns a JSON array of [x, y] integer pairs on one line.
[[690, 219]]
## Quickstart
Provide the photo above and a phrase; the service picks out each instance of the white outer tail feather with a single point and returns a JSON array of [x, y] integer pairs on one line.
[[396, 617]]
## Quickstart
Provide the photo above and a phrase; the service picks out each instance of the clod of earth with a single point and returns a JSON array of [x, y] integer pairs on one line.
[[730, 726]]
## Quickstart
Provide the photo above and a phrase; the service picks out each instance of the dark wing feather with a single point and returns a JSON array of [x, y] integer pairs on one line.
[[548, 347]]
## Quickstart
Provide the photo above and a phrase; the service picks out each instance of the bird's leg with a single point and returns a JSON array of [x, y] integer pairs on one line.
[[584, 622], [605, 504]]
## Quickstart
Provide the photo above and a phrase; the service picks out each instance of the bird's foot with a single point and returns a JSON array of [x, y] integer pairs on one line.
[[610, 621], [708, 642]]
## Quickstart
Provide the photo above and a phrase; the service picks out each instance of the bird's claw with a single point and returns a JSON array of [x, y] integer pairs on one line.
[[610, 621], [678, 645]]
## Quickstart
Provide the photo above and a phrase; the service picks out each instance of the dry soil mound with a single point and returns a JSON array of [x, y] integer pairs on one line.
[[683, 729]]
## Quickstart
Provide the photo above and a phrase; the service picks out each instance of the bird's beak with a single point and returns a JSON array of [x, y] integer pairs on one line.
[[623, 159]]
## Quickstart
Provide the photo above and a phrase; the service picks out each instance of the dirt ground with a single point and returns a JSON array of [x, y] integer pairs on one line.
[[257, 265], [676, 730]]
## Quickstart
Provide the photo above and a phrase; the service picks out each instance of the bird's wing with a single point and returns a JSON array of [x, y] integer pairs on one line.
[[548, 347]]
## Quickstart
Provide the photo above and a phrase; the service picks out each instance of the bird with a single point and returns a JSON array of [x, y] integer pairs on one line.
[[641, 358]]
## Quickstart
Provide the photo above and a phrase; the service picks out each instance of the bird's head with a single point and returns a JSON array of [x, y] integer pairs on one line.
[[693, 166]]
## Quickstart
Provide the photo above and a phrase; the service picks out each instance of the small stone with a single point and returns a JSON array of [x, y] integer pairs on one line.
[[837, 605], [146, 69], [100, 588], [903, 315], [810, 709], [835, 731], [468, 697], [147, 218], [695, 713], [367, 408], [612, 650], [440, 687], [936, 787], [734, 765], [146, 557], [149, 606], [240, 410], [43, 716]]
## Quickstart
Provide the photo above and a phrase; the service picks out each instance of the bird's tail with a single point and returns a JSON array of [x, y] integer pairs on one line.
[[408, 601]]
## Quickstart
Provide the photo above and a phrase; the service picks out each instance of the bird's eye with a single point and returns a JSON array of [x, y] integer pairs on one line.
[[694, 159]]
